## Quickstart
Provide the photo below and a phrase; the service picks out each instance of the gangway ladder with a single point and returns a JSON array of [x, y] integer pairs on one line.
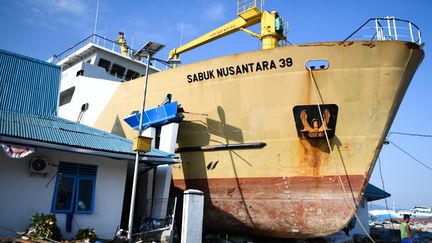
[[163, 120]]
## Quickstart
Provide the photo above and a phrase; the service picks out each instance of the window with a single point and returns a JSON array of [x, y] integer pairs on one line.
[[105, 64], [80, 73], [66, 96], [117, 70], [131, 74], [74, 189]]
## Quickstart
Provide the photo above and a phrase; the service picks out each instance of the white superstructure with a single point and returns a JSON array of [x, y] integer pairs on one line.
[[94, 66]]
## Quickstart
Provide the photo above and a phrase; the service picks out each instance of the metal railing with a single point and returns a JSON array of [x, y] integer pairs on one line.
[[101, 42], [243, 5], [148, 223], [388, 28]]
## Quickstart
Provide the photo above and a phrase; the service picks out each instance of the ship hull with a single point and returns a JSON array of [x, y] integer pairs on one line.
[[275, 207], [291, 186]]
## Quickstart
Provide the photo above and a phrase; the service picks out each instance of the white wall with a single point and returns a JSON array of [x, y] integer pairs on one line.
[[96, 92], [363, 215], [22, 195]]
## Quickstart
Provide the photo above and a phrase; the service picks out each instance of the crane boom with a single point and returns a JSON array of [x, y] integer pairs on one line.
[[247, 18]]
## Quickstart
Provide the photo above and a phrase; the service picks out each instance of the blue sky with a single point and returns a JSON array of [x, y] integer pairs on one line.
[[41, 28]]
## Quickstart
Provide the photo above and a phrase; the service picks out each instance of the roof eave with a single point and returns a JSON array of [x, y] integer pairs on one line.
[[68, 148]]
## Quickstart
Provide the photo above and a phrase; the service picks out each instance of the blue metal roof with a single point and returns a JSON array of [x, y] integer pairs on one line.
[[29, 93], [155, 117], [61, 131], [28, 85], [373, 193]]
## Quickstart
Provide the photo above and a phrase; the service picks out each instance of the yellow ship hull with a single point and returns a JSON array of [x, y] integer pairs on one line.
[[289, 186]]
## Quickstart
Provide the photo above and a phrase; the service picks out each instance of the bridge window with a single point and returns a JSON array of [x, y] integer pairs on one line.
[[131, 74], [117, 70], [104, 64]]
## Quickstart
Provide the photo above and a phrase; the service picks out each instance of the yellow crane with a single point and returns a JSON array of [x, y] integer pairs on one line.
[[249, 14]]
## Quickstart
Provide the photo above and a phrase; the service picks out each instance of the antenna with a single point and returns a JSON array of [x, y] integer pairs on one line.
[[181, 34], [96, 17]]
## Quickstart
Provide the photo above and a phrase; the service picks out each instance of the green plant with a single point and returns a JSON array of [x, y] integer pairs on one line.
[[88, 234], [44, 226]]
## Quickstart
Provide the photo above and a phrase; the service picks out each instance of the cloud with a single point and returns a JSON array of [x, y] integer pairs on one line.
[[51, 14], [37, 17], [74, 7], [77, 7], [215, 12]]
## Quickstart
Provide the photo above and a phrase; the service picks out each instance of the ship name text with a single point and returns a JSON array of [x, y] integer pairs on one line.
[[239, 69]]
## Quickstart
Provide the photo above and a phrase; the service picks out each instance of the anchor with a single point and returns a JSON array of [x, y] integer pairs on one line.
[[309, 124], [315, 131]]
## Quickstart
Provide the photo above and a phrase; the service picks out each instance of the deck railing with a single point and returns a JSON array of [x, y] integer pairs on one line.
[[243, 5], [101, 42], [388, 28]]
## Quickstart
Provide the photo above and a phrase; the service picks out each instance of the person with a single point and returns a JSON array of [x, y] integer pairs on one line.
[[122, 42], [405, 230]]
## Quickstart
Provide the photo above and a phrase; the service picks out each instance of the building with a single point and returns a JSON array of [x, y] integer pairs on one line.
[[53, 165]]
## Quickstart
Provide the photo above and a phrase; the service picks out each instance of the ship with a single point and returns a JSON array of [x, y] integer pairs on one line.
[[418, 213], [382, 214], [282, 141]]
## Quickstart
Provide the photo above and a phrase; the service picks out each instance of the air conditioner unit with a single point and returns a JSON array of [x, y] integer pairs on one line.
[[40, 166]]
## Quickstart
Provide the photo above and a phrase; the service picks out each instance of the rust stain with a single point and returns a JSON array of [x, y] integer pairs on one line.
[[309, 88], [316, 44], [272, 213], [370, 45], [411, 45], [310, 155], [230, 191], [346, 43]]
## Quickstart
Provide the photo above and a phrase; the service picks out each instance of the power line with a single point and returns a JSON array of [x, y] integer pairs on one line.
[[411, 134], [384, 192], [414, 158]]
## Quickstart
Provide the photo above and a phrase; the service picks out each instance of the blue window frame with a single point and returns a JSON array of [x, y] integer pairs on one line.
[[74, 189]]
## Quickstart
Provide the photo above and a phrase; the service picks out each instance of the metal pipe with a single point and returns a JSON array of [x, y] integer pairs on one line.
[[410, 28], [218, 147], [173, 214], [96, 19], [419, 36], [377, 30], [389, 29], [394, 27], [132, 203]]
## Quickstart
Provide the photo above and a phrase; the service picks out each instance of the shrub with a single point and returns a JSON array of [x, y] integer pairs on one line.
[[44, 226], [88, 234]]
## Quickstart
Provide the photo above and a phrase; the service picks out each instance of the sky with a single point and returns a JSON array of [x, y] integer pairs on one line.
[[42, 28]]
